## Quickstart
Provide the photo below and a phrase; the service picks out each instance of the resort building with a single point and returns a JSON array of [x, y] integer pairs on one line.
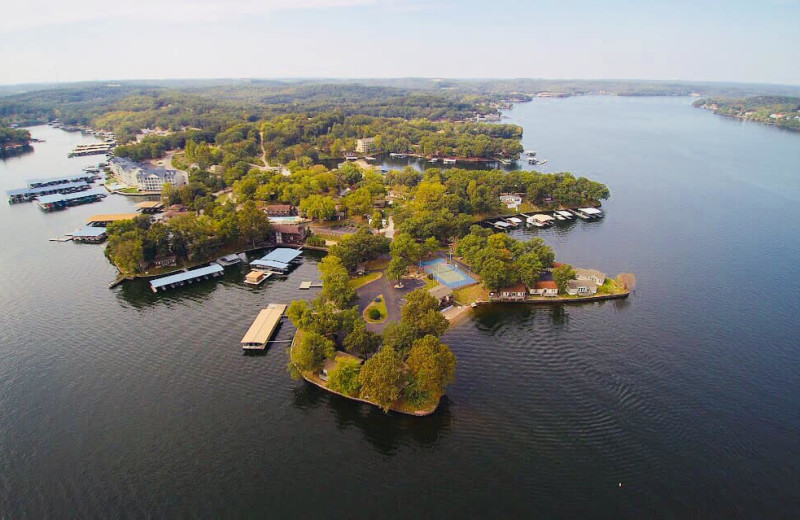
[[513, 293], [289, 233], [545, 288], [591, 275], [511, 201], [279, 210], [365, 145], [145, 178], [581, 287]]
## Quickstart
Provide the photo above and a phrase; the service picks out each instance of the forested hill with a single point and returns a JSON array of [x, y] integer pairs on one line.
[[780, 111]]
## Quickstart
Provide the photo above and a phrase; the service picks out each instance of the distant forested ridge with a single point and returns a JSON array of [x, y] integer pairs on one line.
[[782, 111]]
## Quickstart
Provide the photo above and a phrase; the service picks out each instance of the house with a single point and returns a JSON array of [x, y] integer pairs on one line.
[[145, 178], [591, 275], [174, 211], [365, 145], [545, 288], [290, 233], [279, 210], [513, 293], [443, 294], [511, 201], [581, 287]]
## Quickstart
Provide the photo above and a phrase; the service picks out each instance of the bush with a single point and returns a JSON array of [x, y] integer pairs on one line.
[[315, 241], [374, 314], [344, 378]]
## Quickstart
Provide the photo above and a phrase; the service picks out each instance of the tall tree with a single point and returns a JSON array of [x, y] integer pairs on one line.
[[382, 378]]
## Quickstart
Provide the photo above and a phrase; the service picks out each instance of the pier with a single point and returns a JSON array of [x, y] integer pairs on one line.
[[263, 327], [186, 277], [62, 201]]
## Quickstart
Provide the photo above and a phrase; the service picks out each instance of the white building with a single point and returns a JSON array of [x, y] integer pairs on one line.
[[144, 178], [591, 275], [511, 201], [365, 145]]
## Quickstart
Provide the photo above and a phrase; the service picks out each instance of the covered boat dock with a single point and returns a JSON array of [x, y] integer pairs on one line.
[[186, 277], [92, 235], [28, 194], [105, 219], [280, 259], [263, 327], [61, 201]]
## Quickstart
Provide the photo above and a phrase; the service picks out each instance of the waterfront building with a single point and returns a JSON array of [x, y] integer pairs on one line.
[[365, 145], [591, 275], [289, 233], [513, 293], [511, 201], [545, 288], [581, 287], [146, 178], [279, 210]]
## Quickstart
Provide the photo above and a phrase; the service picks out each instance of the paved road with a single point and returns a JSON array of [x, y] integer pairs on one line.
[[384, 286]]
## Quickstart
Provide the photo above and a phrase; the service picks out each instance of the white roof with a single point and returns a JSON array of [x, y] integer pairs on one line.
[[590, 211], [515, 219], [543, 218], [564, 213], [502, 224]]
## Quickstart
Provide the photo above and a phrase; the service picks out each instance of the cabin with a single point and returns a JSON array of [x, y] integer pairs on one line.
[[591, 275], [511, 201], [581, 288], [513, 293], [545, 288], [443, 295]]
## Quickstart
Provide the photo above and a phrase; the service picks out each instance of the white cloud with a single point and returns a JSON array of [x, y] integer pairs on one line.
[[48, 13]]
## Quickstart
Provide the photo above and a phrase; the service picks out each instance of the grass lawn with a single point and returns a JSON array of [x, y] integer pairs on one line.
[[381, 306], [430, 284], [610, 287], [377, 264], [471, 293], [361, 281]]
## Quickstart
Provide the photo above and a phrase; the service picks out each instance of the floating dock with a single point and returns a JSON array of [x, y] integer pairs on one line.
[[186, 277], [308, 284], [263, 327]]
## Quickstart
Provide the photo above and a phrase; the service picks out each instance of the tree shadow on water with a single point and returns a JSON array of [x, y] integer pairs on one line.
[[387, 432]]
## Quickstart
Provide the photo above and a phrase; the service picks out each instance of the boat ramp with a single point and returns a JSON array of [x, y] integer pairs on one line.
[[263, 327]]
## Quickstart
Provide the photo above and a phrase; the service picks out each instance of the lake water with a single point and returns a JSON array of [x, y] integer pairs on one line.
[[120, 401]]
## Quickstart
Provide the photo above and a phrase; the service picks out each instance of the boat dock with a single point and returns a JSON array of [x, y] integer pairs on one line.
[[104, 219], [280, 259], [308, 284], [263, 327], [61, 201], [28, 194], [55, 181], [92, 149], [256, 277], [186, 277]]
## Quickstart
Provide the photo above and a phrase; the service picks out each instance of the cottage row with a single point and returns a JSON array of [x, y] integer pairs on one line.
[[586, 283]]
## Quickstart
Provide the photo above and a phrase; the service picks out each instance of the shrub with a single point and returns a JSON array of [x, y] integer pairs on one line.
[[374, 314]]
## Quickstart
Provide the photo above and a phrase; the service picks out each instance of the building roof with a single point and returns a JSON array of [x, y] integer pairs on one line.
[[150, 204], [112, 217], [546, 284], [44, 189], [63, 197], [279, 207], [589, 272], [264, 324], [590, 211], [543, 218], [254, 276], [273, 264], [283, 254], [574, 284], [289, 229], [63, 180], [440, 292], [517, 287], [186, 275], [88, 232]]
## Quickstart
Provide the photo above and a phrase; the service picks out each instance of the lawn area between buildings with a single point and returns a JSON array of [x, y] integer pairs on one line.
[[471, 293]]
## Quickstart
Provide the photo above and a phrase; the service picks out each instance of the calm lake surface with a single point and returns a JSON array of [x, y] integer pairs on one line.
[[123, 403]]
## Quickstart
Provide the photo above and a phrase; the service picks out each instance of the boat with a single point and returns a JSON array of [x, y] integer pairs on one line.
[[369, 158], [448, 161], [533, 161], [256, 277], [530, 153], [434, 160], [543, 161], [398, 155]]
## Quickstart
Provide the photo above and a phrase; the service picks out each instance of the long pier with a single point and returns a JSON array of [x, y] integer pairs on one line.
[[186, 277]]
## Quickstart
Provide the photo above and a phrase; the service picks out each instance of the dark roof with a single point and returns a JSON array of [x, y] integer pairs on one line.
[[289, 229], [546, 284]]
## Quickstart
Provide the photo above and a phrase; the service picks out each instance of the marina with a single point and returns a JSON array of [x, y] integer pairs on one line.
[[186, 277], [56, 181], [92, 149], [263, 327]]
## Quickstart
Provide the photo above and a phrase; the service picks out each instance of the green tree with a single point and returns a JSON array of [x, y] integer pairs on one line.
[[318, 207], [344, 377], [362, 342], [335, 281], [432, 364], [253, 223], [382, 378], [561, 275], [310, 353]]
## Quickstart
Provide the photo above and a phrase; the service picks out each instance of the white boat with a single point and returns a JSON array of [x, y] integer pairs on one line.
[[530, 153], [448, 161]]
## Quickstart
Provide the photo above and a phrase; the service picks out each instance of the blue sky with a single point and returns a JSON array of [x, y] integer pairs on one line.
[[54, 40]]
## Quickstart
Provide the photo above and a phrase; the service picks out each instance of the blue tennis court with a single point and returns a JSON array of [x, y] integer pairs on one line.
[[448, 274]]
